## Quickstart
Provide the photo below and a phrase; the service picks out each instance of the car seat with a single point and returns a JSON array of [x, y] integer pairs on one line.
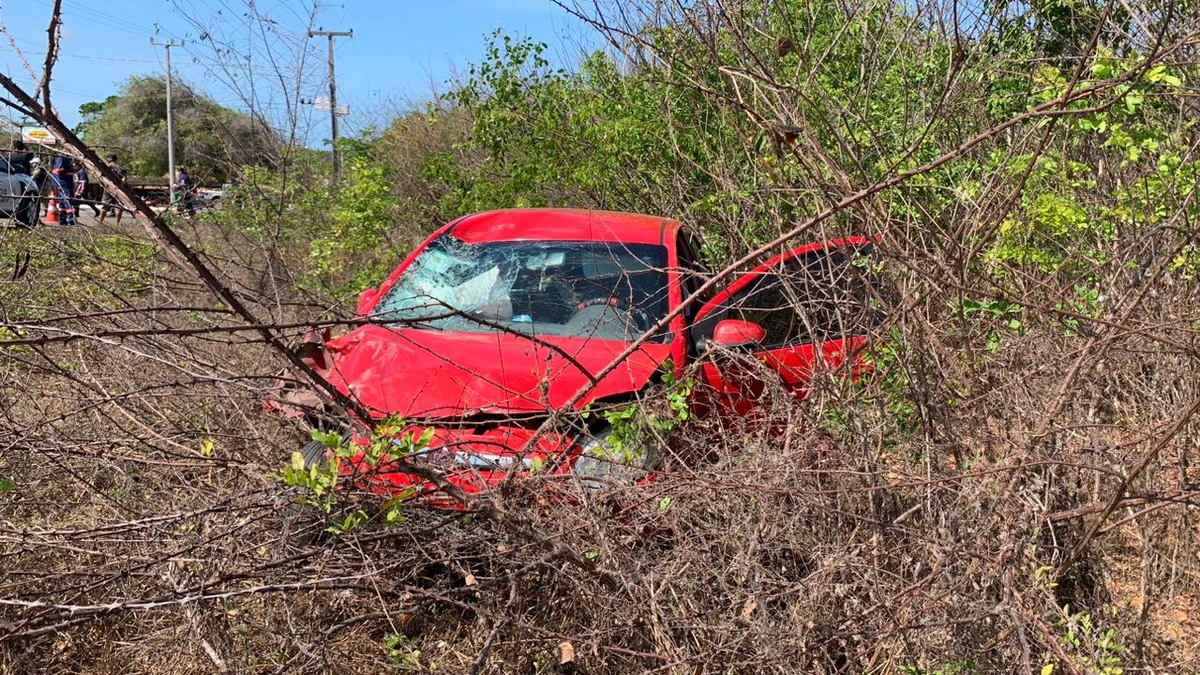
[[541, 302]]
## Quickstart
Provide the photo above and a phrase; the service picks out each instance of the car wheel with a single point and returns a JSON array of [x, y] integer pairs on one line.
[[29, 211], [300, 525], [315, 454]]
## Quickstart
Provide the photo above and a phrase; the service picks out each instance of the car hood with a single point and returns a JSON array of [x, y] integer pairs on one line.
[[22, 179], [426, 373]]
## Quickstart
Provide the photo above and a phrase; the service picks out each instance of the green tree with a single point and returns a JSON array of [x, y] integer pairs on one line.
[[211, 140], [541, 136], [91, 112], [737, 130]]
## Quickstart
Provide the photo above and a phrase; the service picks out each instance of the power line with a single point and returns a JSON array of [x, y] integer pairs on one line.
[[102, 18], [82, 57], [105, 58]]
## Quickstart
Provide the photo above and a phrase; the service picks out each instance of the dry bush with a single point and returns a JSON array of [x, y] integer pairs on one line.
[[828, 536]]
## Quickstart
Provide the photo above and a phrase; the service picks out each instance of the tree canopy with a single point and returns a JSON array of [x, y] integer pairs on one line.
[[211, 140]]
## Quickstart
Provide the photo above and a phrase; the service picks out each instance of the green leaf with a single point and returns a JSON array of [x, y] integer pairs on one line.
[[6, 485], [425, 438], [1048, 669], [993, 342], [536, 464], [1133, 100], [1160, 75]]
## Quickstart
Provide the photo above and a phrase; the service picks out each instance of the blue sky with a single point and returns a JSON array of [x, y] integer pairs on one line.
[[402, 50]]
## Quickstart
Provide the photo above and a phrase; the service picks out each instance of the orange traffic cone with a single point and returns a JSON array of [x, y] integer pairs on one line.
[[51, 212]]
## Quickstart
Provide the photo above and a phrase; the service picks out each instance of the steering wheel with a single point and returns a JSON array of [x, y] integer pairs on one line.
[[640, 319]]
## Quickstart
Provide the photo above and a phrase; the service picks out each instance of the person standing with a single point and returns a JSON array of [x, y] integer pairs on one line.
[[62, 173], [20, 160], [38, 174], [110, 204], [183, 188], [82, 192]]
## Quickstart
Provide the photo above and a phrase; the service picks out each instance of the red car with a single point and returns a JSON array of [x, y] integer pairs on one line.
[[500, 318]]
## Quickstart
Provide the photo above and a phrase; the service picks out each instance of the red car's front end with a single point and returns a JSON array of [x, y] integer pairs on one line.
[[490, 330]]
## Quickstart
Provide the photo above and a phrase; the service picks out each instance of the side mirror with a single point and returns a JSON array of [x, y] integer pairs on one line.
[[366, 301], [312, 350], [737, 333]]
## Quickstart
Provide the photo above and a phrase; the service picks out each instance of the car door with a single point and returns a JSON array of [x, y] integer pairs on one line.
[[10, 190], [804, 311]]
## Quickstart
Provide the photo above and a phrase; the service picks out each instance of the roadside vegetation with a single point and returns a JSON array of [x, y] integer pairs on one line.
[[1009, 491]]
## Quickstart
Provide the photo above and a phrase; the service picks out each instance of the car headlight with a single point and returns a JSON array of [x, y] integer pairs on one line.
[[602, 459]]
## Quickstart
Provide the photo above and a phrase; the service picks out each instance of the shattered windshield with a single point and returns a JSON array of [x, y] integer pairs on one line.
[[604, 290]]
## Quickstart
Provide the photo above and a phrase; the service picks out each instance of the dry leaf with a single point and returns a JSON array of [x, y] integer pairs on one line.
[[748, 610], [566, 653]]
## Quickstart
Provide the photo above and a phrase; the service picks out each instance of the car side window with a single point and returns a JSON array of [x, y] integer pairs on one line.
[[691, 273], [818, 296]]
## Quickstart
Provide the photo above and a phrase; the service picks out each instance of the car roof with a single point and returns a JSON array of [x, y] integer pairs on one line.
[[563, 225]]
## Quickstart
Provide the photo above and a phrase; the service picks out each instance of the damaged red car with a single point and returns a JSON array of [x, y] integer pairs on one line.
[[500, 319]]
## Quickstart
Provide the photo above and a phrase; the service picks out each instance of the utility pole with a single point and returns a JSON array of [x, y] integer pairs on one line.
[[333, 106], [170, 120]]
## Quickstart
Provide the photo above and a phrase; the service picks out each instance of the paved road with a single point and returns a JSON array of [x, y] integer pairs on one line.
[[85, 216]]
